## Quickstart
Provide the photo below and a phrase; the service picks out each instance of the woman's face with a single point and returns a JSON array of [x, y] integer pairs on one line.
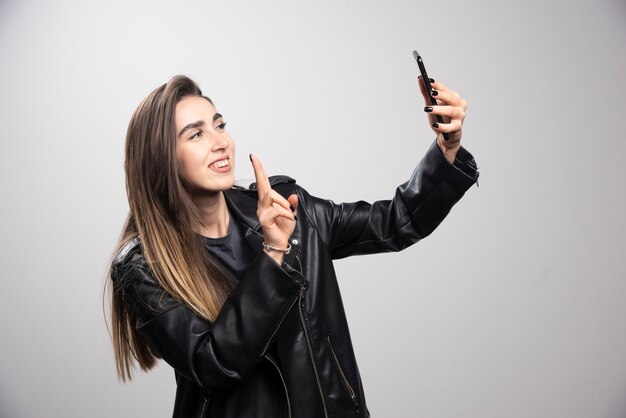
[[205, 151]]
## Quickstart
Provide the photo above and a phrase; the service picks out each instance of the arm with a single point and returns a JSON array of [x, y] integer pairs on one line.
[[419, 205], [221, 353], [416, 209]]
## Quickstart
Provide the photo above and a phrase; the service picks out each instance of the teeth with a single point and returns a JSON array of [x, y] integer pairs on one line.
[[221, 163]]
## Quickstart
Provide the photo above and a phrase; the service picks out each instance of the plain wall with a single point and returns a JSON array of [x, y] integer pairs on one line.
[[512, 308]]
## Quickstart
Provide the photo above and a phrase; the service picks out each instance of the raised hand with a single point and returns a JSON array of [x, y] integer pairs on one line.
[[452, 108], [275, 215]]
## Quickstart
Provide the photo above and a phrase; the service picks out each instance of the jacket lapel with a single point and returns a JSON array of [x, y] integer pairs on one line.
[[243, 205]]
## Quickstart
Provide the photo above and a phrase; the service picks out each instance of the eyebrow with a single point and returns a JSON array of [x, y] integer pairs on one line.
[[197, 124]]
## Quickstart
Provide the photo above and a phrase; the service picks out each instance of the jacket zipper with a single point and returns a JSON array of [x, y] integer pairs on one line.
[[203, 408], [295, 299], [308, 342], [343, 376], [284, 384]]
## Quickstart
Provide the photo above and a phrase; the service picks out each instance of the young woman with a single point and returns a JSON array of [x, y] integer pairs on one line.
[[234, 287]]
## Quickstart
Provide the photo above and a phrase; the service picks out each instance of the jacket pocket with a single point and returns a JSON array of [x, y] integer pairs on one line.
[[344, 378]]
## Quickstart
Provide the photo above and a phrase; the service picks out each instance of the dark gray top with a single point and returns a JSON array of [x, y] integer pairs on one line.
[[231, 250]]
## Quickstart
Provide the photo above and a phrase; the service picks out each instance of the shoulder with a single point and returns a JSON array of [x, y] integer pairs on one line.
[[283, 184], [129, 247], [128, 256], [134, 282], [279, 180]]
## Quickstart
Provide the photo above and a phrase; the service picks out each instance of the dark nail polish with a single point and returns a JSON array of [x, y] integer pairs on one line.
[[434, 92], [295, 218], [435, 125], [432, 80], [292, 209], [428, 109], [250, 155]]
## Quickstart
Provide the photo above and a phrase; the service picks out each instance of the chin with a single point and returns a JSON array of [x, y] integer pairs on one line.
[[224, 184]]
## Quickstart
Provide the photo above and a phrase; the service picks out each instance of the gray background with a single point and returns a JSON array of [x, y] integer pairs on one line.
[[513, 308]]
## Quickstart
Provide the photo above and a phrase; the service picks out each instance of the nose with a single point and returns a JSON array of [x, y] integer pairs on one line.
[[219, 141]]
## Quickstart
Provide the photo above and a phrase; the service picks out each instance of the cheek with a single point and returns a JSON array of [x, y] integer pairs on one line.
[[189, 156], [187, 161], [180, 158]]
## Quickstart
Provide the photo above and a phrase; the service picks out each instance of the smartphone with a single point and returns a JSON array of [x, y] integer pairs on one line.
[[420, 63]]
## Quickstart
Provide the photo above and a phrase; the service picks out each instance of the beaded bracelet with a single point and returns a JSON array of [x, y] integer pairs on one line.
[[270, 247]]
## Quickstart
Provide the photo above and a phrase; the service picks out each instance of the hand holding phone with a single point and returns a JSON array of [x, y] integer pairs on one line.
[[429, 89]]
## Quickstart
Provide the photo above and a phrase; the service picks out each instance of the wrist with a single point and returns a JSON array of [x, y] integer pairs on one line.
[[278, 257], [285, 248], [276, 252], [449, 152]]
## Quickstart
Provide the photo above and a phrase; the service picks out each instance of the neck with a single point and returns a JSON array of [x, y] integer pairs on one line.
[[214, 213]]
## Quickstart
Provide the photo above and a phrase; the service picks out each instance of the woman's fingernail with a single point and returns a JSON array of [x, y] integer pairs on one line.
[[291, 207], [250, 157], [295, 218], [432, 80], [434, 92], [435, 125], [428, 109]]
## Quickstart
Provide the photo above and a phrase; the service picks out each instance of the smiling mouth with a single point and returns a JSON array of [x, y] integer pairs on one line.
[[220, 163], [221, 166]]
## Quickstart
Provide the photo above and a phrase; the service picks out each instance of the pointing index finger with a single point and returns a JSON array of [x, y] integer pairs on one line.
[[262, 182]]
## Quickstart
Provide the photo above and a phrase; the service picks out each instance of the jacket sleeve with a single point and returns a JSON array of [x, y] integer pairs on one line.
[[417, 208], [211, 354]]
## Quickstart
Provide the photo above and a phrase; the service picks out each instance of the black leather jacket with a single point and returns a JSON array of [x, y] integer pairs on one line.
[[280, 346]]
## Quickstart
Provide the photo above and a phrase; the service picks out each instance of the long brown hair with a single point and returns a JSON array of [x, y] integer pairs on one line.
[[165, 218]]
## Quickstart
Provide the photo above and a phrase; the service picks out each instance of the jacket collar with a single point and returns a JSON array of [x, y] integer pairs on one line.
[[242, 199], [243, 206], [242, 203]]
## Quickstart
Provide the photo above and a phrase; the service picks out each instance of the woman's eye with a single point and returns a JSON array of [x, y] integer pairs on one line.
[[196, 135], [221, 126]]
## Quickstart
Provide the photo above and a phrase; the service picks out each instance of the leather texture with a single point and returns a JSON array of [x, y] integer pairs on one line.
[[280, 346]]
